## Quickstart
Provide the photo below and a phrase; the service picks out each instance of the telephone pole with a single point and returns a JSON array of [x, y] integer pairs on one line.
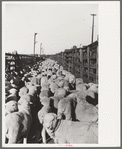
[[92, 27], [34, 43]]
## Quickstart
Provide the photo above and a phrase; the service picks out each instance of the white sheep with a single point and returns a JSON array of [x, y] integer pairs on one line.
[[17, 124], [70, 132]]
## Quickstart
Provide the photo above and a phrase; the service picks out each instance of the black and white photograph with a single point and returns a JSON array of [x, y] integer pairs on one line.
[[54, 93]]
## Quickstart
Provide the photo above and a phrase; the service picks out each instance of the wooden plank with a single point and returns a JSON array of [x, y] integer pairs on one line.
[[92, 75], [88, 61], [9, 60], [93, 66], [97, 66]]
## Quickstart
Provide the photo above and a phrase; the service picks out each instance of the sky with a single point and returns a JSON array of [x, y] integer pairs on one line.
[[60, 26]]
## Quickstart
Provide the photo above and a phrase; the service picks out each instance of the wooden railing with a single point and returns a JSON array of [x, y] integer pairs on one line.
[[19, 61], [82, 62]]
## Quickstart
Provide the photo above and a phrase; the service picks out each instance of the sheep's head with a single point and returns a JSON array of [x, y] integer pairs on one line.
[[82, 87], [50, 121], [33, 90], [94, 88], [92, 96], [61, 91], [45, 101], [53, 77], [45, 87], [61, 84], [23, 91], [28, 84], [13, 91], [53, 87], [81, 95], [24, 104], [79, 81], [11, 106]]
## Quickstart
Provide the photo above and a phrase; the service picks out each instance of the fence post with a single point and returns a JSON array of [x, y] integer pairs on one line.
[[81, 61], [97, 65], [88, 61]]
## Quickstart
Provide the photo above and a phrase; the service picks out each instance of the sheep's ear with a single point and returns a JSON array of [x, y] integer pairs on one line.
[[59, 116], [51, 98], [90, 93]]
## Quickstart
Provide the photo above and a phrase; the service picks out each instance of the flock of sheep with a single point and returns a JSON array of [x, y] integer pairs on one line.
[[47, 102]]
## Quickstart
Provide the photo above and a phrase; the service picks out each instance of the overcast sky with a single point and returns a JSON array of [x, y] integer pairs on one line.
[[60, 26]]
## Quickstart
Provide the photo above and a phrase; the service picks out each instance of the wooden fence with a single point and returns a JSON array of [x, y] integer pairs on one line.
[[82, 62], [19, 61]]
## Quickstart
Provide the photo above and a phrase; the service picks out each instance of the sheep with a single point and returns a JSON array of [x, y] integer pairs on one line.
[[16, 80], [10, 107], [53, 77], [44, 80], [28, 84], [94, 88], [86, 112], [71, 78], [29, 98], [66, 107], [34, 81], [23, 91], [60, 91], [33, 91], [88, 95], [45, 101], [53, 87], [45, 86], [60, 94], [17, 124], [7, 88], [80, 87], [63, 83], [85, 109], [56, 100], [69, 132], [13, 85], [45, 91], [92, 95], [10, 76], [12, 96], [79, 81]]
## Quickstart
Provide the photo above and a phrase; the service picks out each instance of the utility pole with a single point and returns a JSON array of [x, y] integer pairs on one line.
[[92, 27], [81, 45], [40, 49], [34, 43]]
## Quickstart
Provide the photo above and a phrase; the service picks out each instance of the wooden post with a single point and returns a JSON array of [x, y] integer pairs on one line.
[[81, 61], [88, 61], [72, 61], [92, 27], [97, 65]]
